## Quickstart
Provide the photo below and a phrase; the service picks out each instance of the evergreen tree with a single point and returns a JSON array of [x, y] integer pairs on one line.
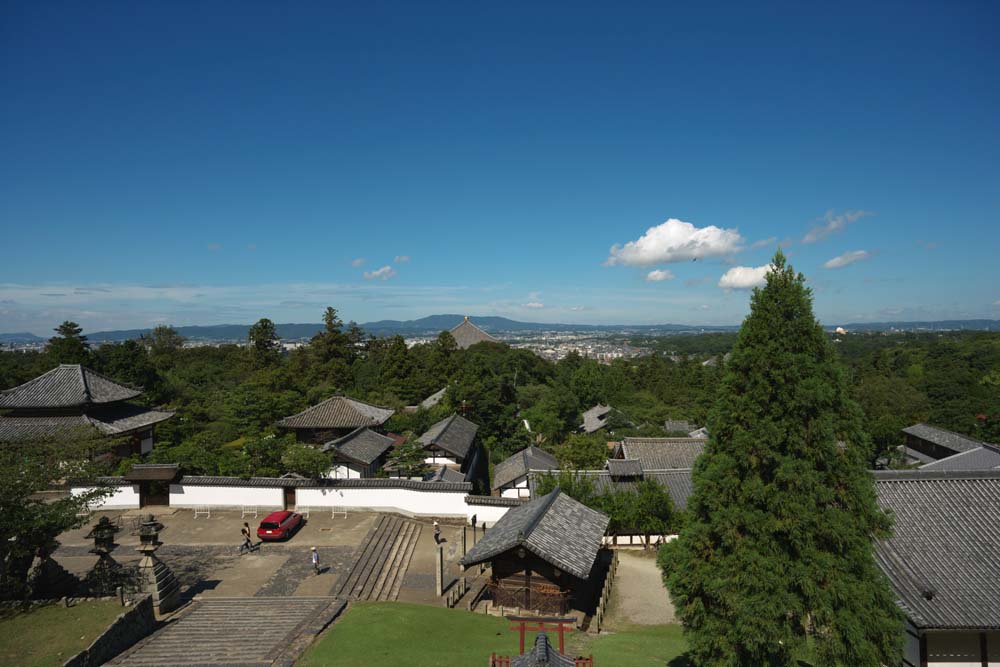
[[263, 341], [70, 346], [776, 561]]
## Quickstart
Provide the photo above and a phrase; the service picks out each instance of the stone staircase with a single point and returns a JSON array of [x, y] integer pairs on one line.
[[381, 562], [249, 632]]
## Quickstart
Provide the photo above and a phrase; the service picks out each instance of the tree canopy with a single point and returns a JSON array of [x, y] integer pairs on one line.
[[777, 552]]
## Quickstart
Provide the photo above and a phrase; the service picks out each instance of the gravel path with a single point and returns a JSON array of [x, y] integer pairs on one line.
[[639, 596]]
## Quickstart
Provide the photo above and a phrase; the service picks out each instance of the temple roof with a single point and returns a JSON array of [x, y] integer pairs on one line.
[[542, 654], [943, 558], [338, 412], [66, 386], [596, 418], [942, 437], [517, 466], [453, 434], [467, 334], [663, 453], [554, 527], [110, 421], [986, 457], [362, 445]]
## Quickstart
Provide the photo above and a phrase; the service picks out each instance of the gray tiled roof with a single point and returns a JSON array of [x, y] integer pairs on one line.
[[554, 527], [494, 501], [453, 434], [338, 412], [542, 654], [663, 453], [362, 445], [939, 436], [944, 556], [111, 421], [986, 457], [624, 467], [467, 334], [678, 483], [596, 418], [699, 433], [68, 385], [518, 465], [445, 474], [433, 399]]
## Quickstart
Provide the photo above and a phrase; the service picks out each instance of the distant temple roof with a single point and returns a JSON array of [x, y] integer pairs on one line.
[[433, 399], [986, 457], [66, 386], [453, 434], [518, 465], [596, 418], [362, 445], [467, 334], [943, 558], [554, 527], [338, 412], [678, 483]]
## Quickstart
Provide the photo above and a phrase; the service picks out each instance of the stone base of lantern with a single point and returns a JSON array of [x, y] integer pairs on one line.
[[159, 582]]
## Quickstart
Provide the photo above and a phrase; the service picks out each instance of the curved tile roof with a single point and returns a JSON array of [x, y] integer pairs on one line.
[[663, 453], [338, 412], [943, 558], [467, 334], [554, 527], [110, 421], [66, 386], [362, 445], [942, 437], [453, 434], [518, 465]]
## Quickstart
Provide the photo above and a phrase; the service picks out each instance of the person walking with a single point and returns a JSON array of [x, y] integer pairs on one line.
[[315, 560], [247, 540], [437, 533]]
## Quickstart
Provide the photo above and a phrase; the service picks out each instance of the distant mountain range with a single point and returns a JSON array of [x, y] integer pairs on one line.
[[434, 324]]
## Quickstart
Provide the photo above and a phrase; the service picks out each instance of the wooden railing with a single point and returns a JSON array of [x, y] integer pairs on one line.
[[602, 604]]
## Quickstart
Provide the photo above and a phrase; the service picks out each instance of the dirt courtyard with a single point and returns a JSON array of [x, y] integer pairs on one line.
[[639, 596]]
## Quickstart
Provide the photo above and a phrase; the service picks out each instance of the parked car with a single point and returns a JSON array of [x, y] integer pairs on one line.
[[279, 525]]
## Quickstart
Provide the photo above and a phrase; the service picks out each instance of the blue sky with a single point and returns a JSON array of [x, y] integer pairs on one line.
[[200, 163]]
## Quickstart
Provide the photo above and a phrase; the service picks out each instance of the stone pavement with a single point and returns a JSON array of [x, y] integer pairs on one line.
[[235, 632]]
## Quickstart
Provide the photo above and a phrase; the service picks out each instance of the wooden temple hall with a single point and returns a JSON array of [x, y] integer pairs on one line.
[[74, 402], [546, 556]]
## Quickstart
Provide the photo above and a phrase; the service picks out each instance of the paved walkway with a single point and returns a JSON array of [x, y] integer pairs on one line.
[[639, 595], [235, 632]]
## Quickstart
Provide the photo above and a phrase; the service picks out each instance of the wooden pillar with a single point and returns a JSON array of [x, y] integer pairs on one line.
[[464, 551], [984, 652], [923, 649]]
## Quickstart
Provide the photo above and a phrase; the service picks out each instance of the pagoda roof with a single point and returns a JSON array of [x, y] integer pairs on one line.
[[67, 386], [467, 334]]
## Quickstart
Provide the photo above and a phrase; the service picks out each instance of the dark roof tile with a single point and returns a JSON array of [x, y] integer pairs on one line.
[[518, 465], [663, 453], [453, 434], [362, 445], [68, 385], [338, 412]]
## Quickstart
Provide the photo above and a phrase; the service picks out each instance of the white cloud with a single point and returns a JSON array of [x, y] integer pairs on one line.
[[357, 262], [535, 305], [831, 224], [401, 259], [744, 277], [675, 241], [658, 275], [384, 273], [577, 309], [846, 259], [997, 302], [704, 306]]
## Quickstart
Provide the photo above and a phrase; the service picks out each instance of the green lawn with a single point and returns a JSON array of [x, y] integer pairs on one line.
[[49, 636], [380, 634]]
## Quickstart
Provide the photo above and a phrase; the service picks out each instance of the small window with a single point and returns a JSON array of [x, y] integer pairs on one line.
[[268, 524]]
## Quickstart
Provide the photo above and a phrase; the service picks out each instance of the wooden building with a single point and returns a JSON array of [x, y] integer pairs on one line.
[[452, 443], [544, 556], [926, 443], [72, 402], [467, 334], [510, 476], [334, 418]]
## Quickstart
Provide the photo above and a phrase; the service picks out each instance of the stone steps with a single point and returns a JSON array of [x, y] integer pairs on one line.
[[381, 562], [243, 631]]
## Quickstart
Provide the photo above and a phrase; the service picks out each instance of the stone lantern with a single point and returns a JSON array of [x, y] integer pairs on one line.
[[107, 574], [156, 578], [103, 535]]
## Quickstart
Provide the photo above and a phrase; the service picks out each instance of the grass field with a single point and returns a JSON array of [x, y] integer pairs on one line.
[[49, 636], [380, 634]]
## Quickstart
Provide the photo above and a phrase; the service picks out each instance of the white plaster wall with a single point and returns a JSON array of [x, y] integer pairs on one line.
[[124, 497], [518, 489], [222, 496], [404, 501], [343, 471], [440, 460], [953, 649], [485, 514]]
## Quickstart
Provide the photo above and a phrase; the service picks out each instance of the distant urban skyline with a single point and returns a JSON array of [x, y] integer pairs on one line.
[[593, 165]]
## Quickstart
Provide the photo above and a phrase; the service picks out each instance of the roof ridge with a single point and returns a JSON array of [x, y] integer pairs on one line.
[[83, 381], [543, 506]]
